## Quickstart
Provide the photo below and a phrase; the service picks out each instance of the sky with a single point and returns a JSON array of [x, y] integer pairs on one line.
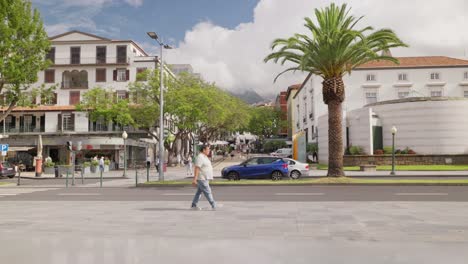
[[226, 40]]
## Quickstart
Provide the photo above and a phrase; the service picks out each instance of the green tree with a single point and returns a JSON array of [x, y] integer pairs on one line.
[[23, 45], [265, 121], [334, 48]]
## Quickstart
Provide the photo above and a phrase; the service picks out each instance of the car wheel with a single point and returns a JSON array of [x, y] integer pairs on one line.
[[233, 176], [276, 176], [295, 174], [11, 176]]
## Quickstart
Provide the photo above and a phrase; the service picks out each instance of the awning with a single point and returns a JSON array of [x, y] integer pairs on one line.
[[20, 148]]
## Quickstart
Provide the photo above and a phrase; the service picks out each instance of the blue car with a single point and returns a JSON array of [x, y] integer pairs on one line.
[[258, 167]]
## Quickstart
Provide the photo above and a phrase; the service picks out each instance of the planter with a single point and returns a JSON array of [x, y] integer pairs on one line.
[[49, 170], [93, 169], [106, 168], [86, 170]]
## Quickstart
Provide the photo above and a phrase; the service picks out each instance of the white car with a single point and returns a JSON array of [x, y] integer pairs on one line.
[[297, 169], [282, 153]]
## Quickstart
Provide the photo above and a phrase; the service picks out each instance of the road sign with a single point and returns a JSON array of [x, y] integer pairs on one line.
[[4, 147]]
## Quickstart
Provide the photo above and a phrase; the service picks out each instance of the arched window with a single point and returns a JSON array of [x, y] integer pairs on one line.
[[75, 79]]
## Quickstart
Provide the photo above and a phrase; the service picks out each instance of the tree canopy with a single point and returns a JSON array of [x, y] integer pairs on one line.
[[23, 45]]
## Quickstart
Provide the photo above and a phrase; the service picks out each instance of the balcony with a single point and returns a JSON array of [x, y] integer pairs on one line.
[[23, 129], [92, 61], [74, 85]]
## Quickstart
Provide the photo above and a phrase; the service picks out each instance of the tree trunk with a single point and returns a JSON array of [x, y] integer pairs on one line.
[[335, 139]]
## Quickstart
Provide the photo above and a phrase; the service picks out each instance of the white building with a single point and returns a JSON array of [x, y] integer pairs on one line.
[[81, 61], [379, 81]]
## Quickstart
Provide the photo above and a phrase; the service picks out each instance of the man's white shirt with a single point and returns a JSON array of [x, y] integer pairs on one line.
[[206, 170]]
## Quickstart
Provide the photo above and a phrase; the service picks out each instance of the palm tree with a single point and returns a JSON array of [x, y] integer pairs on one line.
[[334, 48]]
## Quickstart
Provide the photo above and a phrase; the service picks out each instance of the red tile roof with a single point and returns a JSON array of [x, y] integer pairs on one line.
[[416, 62]]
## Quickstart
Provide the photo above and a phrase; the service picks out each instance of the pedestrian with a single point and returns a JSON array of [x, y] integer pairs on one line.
[[203, 174], [189, 166], [157, 164], [101, 164]]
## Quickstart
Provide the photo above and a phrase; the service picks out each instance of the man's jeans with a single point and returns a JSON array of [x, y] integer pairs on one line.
[[203, 186]]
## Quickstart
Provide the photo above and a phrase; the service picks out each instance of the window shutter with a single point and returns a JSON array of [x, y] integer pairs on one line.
[[115, 75], [55, 99], [72, 122], [21, 123], [59, 123], [126, 95], [13, 121], [33, 121], [127, 74]]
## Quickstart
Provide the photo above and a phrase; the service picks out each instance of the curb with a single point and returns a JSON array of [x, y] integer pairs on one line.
[[307, 184], [64, 178]]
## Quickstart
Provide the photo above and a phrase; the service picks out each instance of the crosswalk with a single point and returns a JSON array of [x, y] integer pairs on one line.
[[12, 191]]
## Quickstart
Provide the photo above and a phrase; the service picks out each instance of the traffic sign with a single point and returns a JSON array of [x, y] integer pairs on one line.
[[4, 147]]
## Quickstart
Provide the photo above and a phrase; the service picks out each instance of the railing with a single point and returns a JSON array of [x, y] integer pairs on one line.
[[92, 60], [23, 129], [74, 85]]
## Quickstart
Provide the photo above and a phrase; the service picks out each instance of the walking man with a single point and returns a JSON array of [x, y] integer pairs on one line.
[[203, 174]]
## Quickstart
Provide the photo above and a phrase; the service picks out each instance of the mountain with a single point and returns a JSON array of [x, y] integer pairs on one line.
[[250, 97]]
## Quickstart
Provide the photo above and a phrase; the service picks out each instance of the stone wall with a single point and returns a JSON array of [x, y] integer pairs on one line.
[[357, 160]]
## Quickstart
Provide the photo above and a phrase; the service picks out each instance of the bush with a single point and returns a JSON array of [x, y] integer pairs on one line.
[[94, 163], [107, 162], [378, 152], [387, 150], [49, 164], [355, 150], [312, 147], [398, 151], [86, 164]]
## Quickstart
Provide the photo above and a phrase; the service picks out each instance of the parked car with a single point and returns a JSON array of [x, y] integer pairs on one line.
[[282, 153], [257, 167], [297, 168], [7, 169]]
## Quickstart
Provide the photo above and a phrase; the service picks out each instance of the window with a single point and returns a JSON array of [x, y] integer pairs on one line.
[[27, 125], [121, 75], [49, 99], [51, 55], [465, 75], [403, 94], [371, 97], [122, 95], [100, 75], [436, 93], [121, 54], [75, 79], [75, 54], [435, 76], [101, 54], [370, 77], [49, 76], [74, 98], [68, 122], [465, 94], [402, 77]]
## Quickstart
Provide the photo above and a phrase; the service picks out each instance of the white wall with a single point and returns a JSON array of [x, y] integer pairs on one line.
[[81, 122], [51, 121], [359, 123]]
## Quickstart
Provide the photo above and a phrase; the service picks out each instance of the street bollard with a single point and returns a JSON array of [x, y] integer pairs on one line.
[[136, 177], [82, 176], [19, 177], [66, 181], [147, 173], [100, 179]]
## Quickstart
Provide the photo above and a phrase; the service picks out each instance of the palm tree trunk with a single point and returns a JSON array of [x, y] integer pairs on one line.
[[335, 139]]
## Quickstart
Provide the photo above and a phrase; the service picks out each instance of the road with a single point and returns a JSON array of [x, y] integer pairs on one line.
[[255, 224], [241, 193]]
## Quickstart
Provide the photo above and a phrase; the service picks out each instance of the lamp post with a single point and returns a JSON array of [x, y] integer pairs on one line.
[[124, 136], [394, 131], [154, 36]]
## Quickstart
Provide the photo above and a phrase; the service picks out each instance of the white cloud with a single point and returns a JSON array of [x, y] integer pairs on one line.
[[135, 3], [233, 58]]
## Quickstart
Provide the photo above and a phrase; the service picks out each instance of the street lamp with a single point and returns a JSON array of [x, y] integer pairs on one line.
[[394, 131], [154, 36], [125, 136]]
